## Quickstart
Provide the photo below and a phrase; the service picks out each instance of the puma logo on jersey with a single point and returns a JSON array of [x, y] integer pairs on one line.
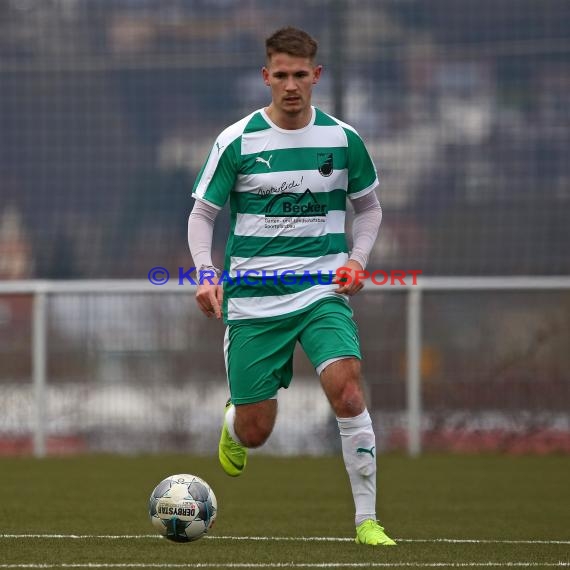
[[266, 162], [364, 450]]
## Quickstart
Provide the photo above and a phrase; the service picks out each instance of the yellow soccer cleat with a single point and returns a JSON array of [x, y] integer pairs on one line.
[[231, 454], [370, 532]]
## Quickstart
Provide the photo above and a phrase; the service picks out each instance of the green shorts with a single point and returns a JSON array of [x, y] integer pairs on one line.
[[259, 356]]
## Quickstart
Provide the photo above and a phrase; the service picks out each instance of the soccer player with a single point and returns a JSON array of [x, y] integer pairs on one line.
[[287, 170]]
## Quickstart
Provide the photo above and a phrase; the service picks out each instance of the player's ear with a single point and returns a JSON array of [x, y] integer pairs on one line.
[[265, 75], [317, 73]]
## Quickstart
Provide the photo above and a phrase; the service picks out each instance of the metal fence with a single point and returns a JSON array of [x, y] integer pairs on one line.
[[464, 364]]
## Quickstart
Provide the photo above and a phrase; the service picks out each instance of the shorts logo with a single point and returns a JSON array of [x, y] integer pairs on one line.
[[325, 163]]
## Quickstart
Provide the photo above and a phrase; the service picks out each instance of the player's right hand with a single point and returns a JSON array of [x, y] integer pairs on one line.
[[209, 298]]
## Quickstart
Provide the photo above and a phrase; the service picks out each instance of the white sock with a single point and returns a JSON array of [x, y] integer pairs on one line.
[[359, 453], [230, 421]]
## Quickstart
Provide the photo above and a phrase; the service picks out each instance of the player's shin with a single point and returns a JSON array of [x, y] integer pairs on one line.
[[359, 453]]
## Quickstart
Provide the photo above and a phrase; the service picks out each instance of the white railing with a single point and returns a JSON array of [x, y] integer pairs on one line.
[[41, 289]]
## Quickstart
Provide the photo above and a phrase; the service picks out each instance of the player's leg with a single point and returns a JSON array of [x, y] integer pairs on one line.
[[330, 339], [259, 361], [342, 385], [252, 424], [245, 425]]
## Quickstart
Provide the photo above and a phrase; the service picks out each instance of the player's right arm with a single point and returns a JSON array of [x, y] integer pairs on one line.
[[211, 190], [209, 294]]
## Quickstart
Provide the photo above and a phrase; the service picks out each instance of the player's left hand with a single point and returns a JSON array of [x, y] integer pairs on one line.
[[352, 283]]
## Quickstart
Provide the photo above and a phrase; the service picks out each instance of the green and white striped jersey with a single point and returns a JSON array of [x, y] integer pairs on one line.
[[287, 192]]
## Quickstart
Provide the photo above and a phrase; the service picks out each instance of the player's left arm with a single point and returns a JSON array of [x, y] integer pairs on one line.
[[365, 226], [362, 180]]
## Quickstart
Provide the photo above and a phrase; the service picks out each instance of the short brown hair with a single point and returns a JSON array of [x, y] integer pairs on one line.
[[292, 41]]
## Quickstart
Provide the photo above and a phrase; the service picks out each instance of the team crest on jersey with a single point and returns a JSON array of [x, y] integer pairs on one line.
[[325, 163]]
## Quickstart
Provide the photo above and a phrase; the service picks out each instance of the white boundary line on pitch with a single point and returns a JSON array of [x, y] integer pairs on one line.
[[295, 565], [284, 538]]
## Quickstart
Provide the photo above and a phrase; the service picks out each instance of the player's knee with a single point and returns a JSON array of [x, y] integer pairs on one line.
[[341, 381], [351, 400], [255, 430], [254, 435], [254, 423]]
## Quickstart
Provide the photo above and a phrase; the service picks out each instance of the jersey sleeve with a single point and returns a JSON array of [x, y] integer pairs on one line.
[[362, 174], [218, 175]]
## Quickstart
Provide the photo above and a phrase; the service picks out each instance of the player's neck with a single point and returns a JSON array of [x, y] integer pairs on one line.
[[289, 121]]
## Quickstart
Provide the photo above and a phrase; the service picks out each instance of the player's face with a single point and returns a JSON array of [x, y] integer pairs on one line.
[[291, 80]]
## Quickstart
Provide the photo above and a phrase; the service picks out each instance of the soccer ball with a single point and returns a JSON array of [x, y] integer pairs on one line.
[[183, 507]]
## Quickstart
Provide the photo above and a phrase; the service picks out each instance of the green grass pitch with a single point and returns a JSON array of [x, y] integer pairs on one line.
[[504, 512]]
